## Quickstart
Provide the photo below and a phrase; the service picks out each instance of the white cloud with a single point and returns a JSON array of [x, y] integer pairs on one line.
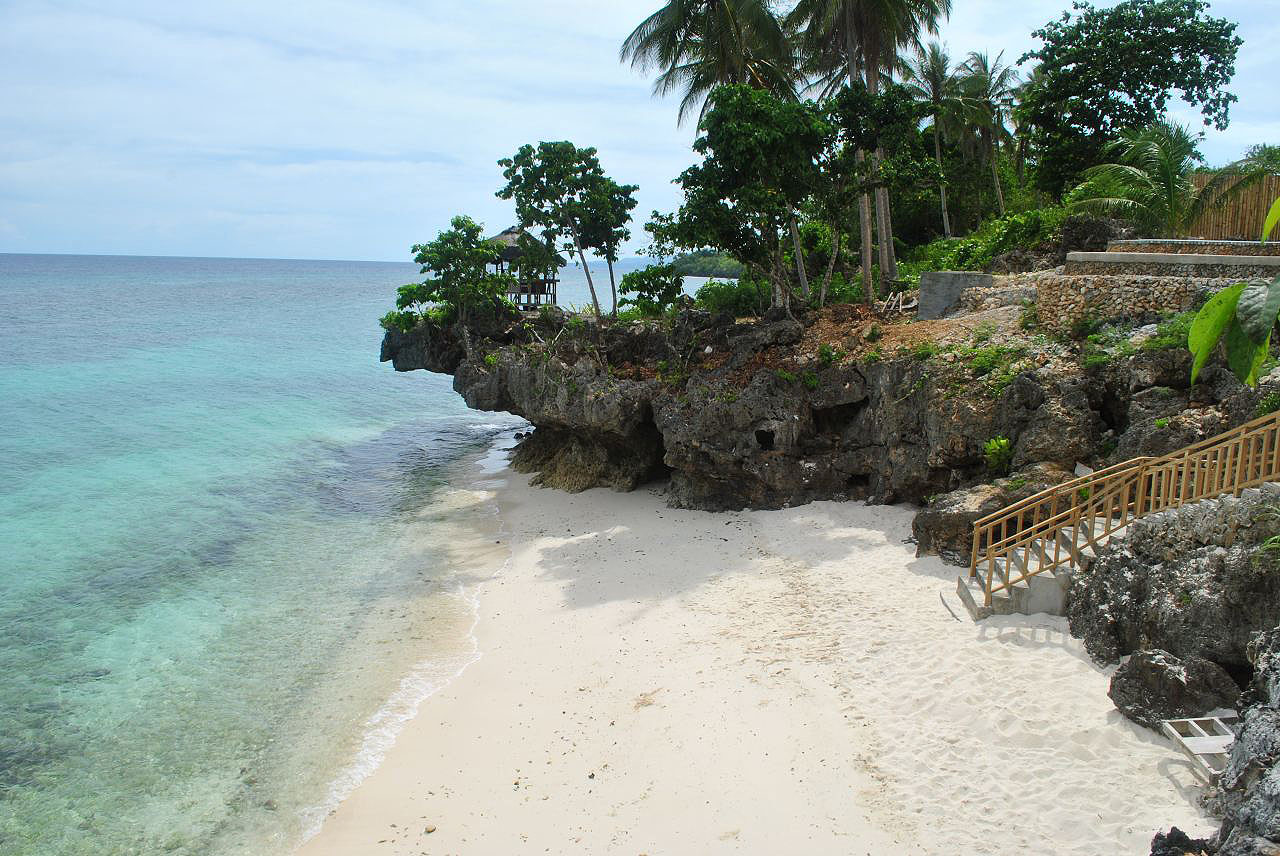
[[354, 129]]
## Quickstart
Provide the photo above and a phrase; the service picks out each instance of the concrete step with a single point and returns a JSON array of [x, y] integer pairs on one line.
[[1201, 265], [1193, 246]]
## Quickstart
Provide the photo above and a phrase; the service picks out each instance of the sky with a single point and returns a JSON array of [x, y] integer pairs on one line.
[[353, 129]]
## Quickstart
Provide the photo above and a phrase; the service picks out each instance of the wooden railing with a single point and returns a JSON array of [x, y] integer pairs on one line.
[[1051, 529]]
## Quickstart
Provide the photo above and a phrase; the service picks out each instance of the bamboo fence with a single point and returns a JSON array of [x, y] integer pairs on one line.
[[1240, 218]]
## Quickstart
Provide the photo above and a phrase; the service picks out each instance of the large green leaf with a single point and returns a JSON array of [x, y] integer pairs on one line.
[[1245, 356], [1257, 309], [1209, 324], [1273, 219]]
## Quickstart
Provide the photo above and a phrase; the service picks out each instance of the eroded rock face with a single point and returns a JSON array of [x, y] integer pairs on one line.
[[1188, 581], [1250, 785], [750, 414], [1155, 685], [1177, 843]]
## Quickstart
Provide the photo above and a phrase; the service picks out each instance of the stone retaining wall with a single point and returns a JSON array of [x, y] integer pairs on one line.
[[1063, 299], [1168, 269], [1213, 248]]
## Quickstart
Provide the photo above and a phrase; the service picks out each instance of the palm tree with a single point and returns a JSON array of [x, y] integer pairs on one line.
[[862, 37], [930, 79], [988, 90], [1151, 181], [700, 44]]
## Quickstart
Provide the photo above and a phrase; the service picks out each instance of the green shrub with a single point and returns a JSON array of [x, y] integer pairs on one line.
[[828, 355], [995, 237], [1162, 422], [998, 453], [925, 350], [651, 289], [785, 376], [1171, 333], [1082, 328], [1097, 359], [874, 356], [491, 360], [741, 297], [840, 290], [1268, 404], [1030, 318], [810, 379], [400, 320], [875, 334]]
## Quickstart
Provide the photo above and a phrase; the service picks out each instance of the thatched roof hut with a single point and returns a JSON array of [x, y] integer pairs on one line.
[[510, 241]]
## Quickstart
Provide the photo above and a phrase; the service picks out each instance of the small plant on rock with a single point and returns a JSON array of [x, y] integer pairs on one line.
[[998, 452], [828, 355], [1268, 404]]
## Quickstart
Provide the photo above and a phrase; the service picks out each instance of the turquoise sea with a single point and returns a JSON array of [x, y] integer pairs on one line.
[[224, 533]]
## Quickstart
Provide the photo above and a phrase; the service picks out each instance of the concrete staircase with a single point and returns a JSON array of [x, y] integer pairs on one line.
[[1047, 592], [1026, 555]]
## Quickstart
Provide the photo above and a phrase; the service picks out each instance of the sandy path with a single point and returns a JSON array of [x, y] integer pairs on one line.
[[668, 682]]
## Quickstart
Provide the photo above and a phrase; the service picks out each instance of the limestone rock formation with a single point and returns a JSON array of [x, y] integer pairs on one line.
[[1191, 581], [772, 412], [1155, 685]]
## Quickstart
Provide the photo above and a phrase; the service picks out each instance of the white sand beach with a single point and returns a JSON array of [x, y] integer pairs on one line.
[[654, 681]]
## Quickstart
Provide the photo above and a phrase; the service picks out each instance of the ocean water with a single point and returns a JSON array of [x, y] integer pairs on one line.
[[229, 547]]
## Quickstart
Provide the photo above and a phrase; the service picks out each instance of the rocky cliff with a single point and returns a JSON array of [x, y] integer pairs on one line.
[[839, 404]]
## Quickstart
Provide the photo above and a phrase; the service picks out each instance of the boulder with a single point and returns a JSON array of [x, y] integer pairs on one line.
[[1190, 581], [1155, 685], [1250, 785], [945, 526], [1178, 843]]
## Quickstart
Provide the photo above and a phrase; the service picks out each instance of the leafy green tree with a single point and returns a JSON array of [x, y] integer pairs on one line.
[[863, 121], [860, 38], [562, 189], [652, 288], [987, 87], [459, 280], [1151, 182], [1107, 70], [930, 80], [608, 208], [698, 45], [759, 162]]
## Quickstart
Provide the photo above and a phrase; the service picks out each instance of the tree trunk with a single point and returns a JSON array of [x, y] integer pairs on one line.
[[864, 201], [864, 224], [595, 301], [795, 243], [884, 220], [613, 286], [995, 177], [942, 179], [831, 267]]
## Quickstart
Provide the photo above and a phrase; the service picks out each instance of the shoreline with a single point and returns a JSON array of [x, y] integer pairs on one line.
[[474, 560], [652, 680]]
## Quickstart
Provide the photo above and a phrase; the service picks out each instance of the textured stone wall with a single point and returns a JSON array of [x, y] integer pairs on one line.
[[1214, 248], [1148, 267], [1063, 299]]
